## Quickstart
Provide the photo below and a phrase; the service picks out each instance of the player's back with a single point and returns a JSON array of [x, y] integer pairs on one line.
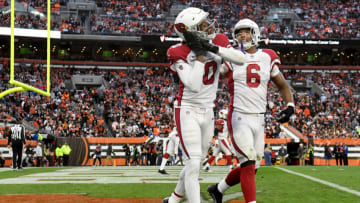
[[248, 82]]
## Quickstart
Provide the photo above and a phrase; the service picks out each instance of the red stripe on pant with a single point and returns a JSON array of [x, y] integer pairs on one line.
[[178, 126], [224, 143], [237, 148], [179, 196]]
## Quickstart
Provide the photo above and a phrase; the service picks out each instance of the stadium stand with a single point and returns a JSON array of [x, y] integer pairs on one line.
[[286, 20], [135, 97]]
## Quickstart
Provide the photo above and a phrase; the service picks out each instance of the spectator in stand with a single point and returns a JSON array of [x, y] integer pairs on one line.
[[69, 112], [282, 134], [276, 131], [324, 20]]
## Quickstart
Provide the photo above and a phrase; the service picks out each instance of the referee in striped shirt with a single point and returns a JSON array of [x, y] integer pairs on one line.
[[16, 140]]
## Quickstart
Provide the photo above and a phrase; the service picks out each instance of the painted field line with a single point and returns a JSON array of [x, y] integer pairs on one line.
[[333, 185]]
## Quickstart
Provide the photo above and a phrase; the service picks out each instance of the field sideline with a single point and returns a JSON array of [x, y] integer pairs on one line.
[[273, 185]]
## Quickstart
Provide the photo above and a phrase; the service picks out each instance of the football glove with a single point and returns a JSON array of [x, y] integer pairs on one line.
[[194, 43], [209, 47], [284, 115]]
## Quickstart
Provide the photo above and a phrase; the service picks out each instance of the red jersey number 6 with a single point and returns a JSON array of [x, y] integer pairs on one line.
[[252, 78]]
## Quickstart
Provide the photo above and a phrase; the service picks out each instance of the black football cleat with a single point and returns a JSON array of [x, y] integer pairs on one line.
[[163, 172], [215, 194], [166, 200]]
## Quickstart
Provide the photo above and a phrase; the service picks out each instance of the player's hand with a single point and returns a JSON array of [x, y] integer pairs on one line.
[[209, 47], [194, 43], [284, 115]]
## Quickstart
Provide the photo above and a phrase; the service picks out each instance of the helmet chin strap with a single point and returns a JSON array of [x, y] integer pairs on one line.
[[245, 46]]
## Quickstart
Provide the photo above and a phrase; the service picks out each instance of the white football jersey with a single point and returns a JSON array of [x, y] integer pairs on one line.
[[223, 132], [207, 94], [248, 82]]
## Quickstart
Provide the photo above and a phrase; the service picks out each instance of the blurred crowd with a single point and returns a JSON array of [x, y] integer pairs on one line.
[[333, 114], [136, 103], [69, 26], [318, 19]]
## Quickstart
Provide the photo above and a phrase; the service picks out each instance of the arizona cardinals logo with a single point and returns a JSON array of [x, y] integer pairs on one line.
[[181, 27]]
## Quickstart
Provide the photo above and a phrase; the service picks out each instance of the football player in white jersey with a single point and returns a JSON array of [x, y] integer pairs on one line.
[[222, 141], [197, 62], [248, 90], [172, 148]]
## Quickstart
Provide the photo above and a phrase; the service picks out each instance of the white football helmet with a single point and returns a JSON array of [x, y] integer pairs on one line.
[[254, 30], [190, 19], [223, 114]]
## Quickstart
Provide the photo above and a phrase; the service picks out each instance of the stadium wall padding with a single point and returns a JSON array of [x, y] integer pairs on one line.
[[79, 149], [82, 148]]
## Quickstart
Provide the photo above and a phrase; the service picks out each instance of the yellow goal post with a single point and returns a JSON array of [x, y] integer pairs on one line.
[[22, 86]]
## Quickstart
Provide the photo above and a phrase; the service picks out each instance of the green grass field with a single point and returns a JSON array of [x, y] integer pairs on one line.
[[273, 185]]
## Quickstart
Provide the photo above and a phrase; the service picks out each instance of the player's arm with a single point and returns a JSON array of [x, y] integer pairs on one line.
[[190, 76], [221, 46], [225, 68], [286, 94], [227, 53], [223, 50], [231, 55], [283, 87]]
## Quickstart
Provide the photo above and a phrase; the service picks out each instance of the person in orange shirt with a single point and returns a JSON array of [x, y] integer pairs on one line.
[[306, 111]]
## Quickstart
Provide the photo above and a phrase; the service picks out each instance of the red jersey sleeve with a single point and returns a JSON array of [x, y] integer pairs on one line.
[[275, 59], [177, 52]]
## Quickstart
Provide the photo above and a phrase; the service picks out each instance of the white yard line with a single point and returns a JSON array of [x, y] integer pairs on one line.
[[333, 185]]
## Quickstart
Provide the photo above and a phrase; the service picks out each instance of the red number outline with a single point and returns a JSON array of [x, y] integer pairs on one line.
[[250, 75], [207, 66]]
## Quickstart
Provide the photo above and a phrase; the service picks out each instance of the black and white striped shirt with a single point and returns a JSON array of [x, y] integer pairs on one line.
[[17, 134]]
